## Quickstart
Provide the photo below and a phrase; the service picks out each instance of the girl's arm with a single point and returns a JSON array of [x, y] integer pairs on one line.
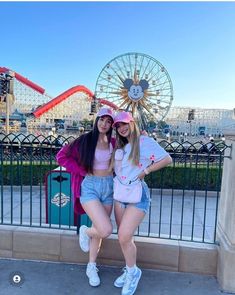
[[156, 166]]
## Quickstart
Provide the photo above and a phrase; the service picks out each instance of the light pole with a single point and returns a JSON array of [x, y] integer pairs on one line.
[[93, 111], [7, 94], [168, 138], [9, 98], [7, 113], [190, 119]]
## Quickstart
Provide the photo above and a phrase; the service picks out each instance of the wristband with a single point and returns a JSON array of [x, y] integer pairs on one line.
[[146, 171]]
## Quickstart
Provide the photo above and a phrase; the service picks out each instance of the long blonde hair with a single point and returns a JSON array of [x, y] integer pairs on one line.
[[134, 141]]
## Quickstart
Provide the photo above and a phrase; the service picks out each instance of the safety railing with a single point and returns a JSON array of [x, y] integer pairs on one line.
[[35, 192]]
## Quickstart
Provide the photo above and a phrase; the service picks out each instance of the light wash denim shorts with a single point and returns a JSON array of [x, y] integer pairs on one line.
[[144, 203], [97, 188]]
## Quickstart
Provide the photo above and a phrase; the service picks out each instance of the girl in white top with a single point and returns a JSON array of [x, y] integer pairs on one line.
[[135, 156]]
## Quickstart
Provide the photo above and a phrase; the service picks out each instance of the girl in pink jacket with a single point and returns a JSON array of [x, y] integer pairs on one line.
[[88, 159]]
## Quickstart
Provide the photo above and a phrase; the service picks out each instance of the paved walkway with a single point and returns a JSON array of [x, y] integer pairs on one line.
[[69, 279]]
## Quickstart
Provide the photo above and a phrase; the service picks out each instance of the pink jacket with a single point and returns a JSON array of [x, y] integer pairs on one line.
[[77, 173]]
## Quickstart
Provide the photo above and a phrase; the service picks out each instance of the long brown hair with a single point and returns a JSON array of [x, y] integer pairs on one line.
[[84, 147], [134, 141]]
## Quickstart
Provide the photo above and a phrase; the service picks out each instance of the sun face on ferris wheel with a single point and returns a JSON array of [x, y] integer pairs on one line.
[[137, 83]]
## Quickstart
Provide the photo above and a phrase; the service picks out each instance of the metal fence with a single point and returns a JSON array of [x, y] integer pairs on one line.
[[35, 192]]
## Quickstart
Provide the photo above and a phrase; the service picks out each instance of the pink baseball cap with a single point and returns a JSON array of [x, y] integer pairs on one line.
[[105, 112], [124, 117]]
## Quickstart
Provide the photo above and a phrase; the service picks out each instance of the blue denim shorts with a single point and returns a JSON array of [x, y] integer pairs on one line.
[[97, 188], [144, 203]]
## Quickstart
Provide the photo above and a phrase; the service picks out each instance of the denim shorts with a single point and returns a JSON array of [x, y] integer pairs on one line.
[[97, 188], [144, 203]]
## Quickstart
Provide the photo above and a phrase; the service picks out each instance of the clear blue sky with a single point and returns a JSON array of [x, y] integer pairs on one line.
[[62, 44]]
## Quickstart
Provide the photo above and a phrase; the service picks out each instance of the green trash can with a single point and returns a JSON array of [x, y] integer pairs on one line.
[[59, 200], [59, 204]]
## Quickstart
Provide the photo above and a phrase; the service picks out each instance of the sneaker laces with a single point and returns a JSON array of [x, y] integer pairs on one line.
[[92, 269], [123, 276], [92, 273], [129, 277]]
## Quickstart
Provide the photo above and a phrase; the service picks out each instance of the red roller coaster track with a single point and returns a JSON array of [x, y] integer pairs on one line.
[[24, 81], [52, 103]]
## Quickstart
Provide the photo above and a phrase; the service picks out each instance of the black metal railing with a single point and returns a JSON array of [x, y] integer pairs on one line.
[[36, 192]]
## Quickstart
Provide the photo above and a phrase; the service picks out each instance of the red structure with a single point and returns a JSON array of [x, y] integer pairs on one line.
[[57, 100], [24, 80]]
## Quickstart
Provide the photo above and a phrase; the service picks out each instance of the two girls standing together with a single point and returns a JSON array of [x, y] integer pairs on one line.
[[96, 155]]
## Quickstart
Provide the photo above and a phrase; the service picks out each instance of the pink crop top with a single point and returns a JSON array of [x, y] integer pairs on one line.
[[102, 158]]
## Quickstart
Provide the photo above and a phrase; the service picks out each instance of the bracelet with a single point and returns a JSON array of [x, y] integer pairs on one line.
[[146, 171]]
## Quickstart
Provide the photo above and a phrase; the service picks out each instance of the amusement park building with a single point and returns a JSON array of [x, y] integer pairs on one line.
[[43, 111], [73, 105], [199, 121], [70, 107]]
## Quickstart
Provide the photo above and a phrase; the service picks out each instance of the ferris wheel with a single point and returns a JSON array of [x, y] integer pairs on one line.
[[137, 83]]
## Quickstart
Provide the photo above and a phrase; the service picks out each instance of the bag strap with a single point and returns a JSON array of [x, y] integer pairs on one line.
[[136, 180]]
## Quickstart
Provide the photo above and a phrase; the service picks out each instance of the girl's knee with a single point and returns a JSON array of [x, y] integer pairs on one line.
[[106, 231], [124, 238]]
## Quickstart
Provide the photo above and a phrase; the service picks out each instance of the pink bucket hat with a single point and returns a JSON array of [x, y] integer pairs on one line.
[[124, 117], [105, 112]]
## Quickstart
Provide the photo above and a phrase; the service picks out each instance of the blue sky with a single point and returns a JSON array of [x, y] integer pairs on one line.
[[62, 44]]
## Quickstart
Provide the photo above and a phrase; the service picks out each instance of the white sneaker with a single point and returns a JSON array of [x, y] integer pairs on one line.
[[84, 239], [119, 282], [92, 273], [131, 282]]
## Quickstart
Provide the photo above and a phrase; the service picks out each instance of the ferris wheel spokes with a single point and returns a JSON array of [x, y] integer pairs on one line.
[[138, 83]]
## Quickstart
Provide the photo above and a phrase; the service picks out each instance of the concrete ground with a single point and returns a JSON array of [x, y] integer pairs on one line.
[[49, 278]]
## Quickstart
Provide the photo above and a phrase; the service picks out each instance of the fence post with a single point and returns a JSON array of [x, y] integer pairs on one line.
[[226, 220]]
